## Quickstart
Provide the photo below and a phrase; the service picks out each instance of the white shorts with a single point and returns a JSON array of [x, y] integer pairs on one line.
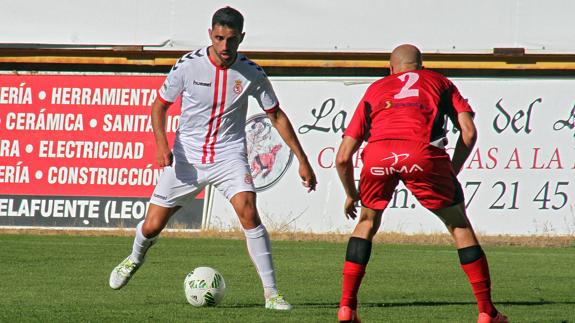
[[183, 181]]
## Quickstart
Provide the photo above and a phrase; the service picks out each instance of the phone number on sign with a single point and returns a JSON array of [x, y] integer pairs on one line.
[[552, 195]]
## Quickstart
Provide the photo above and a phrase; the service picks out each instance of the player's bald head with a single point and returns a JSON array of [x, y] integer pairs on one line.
[[404, 58]]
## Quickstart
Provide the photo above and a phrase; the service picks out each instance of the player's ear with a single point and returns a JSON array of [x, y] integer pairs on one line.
[[210, 33]]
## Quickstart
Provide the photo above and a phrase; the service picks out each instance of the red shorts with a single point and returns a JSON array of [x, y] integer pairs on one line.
[[424, 169]]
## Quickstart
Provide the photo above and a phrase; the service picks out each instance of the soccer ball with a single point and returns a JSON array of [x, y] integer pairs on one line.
[[204, 286]]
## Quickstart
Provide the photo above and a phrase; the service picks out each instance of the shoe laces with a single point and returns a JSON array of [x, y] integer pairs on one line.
[[278, 300], [126, 267]]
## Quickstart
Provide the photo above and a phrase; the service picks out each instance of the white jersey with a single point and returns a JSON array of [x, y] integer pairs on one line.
[[214, 105]]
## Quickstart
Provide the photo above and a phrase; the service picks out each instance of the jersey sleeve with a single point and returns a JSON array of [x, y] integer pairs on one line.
[[460, 104], [173, 85], [265, 95], [358, 127]]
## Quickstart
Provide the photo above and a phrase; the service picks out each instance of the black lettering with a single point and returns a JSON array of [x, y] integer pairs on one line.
[[339, 124], [318, 115], [504, 113], [568, 123]]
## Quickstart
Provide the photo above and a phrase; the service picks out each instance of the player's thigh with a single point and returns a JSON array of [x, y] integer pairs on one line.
[[430, 178], [453, 216], [231, 177], [377, 180], [177, 184]]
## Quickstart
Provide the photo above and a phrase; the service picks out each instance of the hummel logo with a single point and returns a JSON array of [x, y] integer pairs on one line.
[[208, 84], [160, 196]]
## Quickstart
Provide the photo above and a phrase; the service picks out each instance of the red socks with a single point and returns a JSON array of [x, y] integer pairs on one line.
[[352, 275], [478, 274]]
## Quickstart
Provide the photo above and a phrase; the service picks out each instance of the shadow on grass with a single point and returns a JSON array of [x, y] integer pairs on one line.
[[403, 304]]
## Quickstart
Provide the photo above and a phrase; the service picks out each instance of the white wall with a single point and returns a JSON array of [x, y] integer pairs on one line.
[[449, 26]]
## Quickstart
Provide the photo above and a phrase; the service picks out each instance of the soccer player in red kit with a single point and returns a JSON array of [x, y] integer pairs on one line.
[[402, 119]]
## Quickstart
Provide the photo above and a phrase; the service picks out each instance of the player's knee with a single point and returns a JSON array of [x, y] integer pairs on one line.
[[249, 217], [453, 216], [151, 229], [369, 224]]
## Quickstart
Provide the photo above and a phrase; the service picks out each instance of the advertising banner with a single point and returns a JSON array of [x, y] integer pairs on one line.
[[78, 151], [519, 178]]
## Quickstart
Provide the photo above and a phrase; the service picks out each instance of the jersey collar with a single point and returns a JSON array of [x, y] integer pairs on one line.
[[214, 63]]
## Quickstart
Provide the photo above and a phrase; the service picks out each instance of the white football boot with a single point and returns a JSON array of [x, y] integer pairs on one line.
[[277, 302], [121, 275]]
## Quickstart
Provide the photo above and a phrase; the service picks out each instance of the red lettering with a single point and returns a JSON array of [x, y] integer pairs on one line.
[[321, 159], [514, 158], [555, 158], [491, 155], [357, 159], [534, 166], [476, 157]]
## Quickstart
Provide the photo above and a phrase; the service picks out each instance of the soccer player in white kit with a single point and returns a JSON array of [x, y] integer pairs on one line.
[[215, 83]]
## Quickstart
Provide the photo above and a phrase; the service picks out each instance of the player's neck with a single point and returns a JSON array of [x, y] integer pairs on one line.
[[219, 62]]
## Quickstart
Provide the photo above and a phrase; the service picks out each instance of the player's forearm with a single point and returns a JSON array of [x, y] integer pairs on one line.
[[463, 148], [158, 114], [346, 176], [284, 127], [466, 140], [344, 165]]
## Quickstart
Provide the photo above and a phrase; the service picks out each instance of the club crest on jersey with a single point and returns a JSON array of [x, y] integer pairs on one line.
[[248, 178], [238, 87]]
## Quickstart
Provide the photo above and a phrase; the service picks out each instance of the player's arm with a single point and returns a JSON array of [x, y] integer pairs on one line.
[[344, 166], [163, 155], [466, 140], [281, 122]]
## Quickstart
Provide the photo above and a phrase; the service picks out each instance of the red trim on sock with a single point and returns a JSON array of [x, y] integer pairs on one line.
[[352, 275], [478, 275]]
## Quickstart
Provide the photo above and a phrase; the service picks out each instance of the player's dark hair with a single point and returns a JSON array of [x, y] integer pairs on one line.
[[228, 17]]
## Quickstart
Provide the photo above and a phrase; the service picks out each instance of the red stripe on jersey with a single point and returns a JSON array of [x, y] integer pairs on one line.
[[164, 101], [220, 115], [214, 106]]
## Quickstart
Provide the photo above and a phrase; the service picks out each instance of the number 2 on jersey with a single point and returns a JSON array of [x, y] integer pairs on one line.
[[406, 91]]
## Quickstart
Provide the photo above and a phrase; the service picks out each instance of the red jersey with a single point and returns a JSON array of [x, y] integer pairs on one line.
[[408, 106]]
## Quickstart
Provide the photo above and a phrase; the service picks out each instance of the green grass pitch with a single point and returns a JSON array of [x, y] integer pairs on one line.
[[65, 279]]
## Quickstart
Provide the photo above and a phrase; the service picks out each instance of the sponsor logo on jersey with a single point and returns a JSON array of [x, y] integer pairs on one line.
[[160, 196], [382, 171], [238, 88], [207, 84]]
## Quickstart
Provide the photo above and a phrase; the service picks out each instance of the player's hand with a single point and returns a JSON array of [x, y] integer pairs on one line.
[[164, 157], [307, 176], [349, 208]]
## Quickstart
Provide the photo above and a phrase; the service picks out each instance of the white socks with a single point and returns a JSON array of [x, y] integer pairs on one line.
[[259, 248], [141, 244]]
